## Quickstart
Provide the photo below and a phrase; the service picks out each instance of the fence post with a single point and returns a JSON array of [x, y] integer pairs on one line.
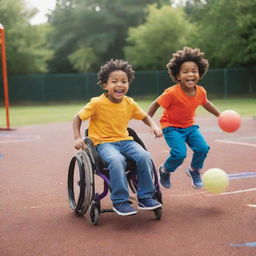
[[225, 83]]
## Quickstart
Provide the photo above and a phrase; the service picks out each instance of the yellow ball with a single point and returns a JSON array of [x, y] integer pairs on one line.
[[215, 180]]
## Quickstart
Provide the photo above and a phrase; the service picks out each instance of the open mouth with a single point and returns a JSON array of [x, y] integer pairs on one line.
[[191, 81], [119, 91]]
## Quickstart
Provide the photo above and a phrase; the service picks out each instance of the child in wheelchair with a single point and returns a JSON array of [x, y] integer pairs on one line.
[[109, 115]]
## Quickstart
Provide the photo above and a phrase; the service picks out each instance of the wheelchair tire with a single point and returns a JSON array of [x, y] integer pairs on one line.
[[158, 213], [81, 203], [94, 214]]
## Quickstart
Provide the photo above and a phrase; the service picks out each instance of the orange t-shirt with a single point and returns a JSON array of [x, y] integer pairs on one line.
[[179, 108]]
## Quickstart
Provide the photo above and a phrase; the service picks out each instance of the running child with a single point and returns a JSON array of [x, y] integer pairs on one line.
[[180, 102]]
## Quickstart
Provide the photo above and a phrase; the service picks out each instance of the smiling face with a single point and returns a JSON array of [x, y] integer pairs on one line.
[[117, 86], [188, 75]]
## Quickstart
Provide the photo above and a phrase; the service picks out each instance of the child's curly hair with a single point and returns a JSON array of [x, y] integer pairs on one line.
[[187, 54], [115, 65]]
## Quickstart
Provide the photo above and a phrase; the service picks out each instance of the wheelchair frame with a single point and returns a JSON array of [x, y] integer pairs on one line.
[[89, 164]]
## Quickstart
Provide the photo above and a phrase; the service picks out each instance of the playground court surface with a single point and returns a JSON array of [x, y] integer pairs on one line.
[[35, 217]]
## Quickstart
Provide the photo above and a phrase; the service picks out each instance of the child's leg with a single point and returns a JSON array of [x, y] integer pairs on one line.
[[197, 143], [175, 138], [116, 162], [133, 151]]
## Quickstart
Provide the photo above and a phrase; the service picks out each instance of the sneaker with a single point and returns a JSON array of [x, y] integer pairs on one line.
[[148, 204], [124, 209], [164, 177], [195, 178]]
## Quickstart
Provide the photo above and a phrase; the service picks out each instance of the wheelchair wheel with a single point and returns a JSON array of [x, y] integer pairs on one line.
[[158, 213], [80, 183], [94, 213]]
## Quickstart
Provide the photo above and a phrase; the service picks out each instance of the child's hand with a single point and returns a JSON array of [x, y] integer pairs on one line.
[[158, 132], [79, 143]]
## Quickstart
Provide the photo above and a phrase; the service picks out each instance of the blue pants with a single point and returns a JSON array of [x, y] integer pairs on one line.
[[115, 155], [177, 138]]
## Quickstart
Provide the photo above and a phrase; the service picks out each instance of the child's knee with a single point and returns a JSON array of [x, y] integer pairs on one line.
[[144, 156], [116, 160], [178, 154], [203, 148]]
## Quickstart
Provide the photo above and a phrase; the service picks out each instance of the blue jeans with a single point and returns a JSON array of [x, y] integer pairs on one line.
[[177, 138], [115, 155]]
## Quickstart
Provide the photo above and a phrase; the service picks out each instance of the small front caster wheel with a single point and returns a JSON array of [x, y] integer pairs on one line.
[[158, 213], [94, 214]]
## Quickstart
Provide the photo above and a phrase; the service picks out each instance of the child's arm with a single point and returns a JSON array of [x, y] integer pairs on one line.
[[153, 108], [209, 106], [79, 142], [155, 129]]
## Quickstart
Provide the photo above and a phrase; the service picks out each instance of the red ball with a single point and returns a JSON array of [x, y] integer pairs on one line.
[[229, 121]]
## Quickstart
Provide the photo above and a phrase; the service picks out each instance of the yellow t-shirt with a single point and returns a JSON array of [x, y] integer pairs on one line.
[[108, 120]]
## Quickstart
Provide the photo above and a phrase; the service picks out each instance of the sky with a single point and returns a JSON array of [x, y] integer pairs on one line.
[[43, 7]]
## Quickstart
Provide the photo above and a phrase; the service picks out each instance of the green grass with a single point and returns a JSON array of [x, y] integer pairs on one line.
[[39, 114]]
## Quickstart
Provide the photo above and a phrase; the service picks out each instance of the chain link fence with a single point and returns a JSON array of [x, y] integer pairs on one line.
[[219, 83]]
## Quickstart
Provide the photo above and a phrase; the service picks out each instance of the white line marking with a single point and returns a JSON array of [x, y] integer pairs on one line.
[[189, 194], [248, 244], [16, 139], [237, 143], [234, 192], [241, 175], [32, 207], [252, 205], [244, 138]]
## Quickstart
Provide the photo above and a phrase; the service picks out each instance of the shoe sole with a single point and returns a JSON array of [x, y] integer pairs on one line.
[[191, 180], [165, 186], [149, 208], [124, 214]]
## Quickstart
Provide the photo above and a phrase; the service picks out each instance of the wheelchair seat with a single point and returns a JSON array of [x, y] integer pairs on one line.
[[99, 162]]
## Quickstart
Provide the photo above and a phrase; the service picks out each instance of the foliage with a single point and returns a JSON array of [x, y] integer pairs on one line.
[[151, 44], [26, 45], [84, 34], [96, 29], [226, 30]]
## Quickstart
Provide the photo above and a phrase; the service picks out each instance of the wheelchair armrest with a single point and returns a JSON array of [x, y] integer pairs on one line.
[[136, 138]]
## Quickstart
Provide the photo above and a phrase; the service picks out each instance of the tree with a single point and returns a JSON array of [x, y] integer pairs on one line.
[[89, 32], [226, 30], [165, 31], [26, 46]]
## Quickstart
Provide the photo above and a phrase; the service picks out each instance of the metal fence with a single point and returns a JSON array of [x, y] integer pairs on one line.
[[221, 83]]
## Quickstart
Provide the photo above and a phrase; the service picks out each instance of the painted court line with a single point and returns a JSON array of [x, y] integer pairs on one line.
[[241, 175], [252, 205], [15, 139], [221, 194], [244, 138], [236, 142], [188, 194], [249, 244], [234, 192]]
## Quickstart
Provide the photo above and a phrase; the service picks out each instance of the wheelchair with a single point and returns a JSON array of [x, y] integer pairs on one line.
[[81, 187]]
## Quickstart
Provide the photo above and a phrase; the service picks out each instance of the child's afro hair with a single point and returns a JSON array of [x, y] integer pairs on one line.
[[115, 65], [187, 54]]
